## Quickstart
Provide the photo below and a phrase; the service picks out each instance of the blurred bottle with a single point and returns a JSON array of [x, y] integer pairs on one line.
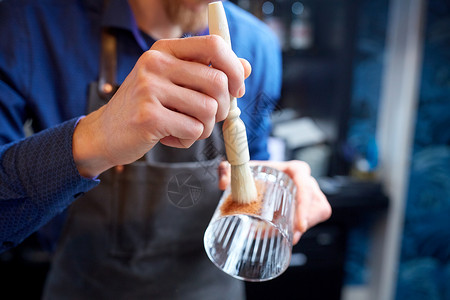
[[245, 4], [271, 15], [301, 33]]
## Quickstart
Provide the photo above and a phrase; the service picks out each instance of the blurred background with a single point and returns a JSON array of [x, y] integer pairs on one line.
[[366, 102]]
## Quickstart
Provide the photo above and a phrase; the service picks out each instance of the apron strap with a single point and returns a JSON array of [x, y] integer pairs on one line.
[[108, 64]]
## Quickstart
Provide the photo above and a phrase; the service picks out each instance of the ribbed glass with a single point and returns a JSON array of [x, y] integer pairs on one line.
[[255, 246]]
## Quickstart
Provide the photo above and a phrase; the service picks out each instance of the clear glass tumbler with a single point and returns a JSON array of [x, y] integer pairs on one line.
[[253, 242]]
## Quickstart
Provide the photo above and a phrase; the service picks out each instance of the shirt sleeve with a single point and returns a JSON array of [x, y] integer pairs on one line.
[[14, 81], [263, 95], [38, 180]]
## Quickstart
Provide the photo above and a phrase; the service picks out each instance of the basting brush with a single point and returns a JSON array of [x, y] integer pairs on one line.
[[243, 189]]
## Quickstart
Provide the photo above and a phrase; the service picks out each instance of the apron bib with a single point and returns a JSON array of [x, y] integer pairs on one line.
[[139, 233]]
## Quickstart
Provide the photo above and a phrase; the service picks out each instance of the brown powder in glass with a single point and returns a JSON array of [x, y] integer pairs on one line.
[[231, 207]]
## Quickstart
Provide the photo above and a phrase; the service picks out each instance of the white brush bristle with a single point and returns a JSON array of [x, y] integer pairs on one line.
[[243, 188]]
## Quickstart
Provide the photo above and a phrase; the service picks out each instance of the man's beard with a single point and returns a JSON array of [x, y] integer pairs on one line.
[[189, 20]]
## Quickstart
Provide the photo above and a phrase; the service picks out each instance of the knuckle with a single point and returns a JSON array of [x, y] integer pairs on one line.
[[241, 71], [160, 44], [304, 166], [187, 143], [322, 201], [219, 79], [205, 134], [222, 113], [210, 107], [145, 123], [326, 211], [197, 130], [220, 83], [216, 43], [219, 48], [149, 56], [146, 115], [153, 59]]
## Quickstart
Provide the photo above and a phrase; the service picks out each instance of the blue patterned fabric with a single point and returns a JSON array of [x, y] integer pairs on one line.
[[425, 255], [45, 74], [38, 181], [424, 270], [420, 279]]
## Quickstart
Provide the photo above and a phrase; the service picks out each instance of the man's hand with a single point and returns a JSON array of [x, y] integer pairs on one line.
[[175, 94], [312, 205]]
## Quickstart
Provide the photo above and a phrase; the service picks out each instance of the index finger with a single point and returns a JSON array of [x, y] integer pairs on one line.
[[209, 50]]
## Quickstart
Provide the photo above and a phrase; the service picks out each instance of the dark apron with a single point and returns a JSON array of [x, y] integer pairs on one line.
[[139, 234]]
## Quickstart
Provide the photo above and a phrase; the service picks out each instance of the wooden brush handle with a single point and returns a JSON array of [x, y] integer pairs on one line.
[[234, 133], [217, 21]]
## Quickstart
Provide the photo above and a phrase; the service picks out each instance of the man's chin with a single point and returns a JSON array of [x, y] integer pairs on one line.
[[199, 6], [196, 20], [191, 16]]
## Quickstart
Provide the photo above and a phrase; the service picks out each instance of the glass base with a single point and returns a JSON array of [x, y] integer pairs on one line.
[[247, 247]]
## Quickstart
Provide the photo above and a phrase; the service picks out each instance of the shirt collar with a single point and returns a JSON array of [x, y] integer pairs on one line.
[[118, 14]]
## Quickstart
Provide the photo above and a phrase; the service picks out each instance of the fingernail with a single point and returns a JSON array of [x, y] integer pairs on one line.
[[241, 92]]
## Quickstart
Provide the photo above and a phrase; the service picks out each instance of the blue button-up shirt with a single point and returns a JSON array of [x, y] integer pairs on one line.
[[49, 53]]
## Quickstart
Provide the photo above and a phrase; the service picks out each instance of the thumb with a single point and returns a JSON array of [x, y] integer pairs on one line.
[[247, 67]]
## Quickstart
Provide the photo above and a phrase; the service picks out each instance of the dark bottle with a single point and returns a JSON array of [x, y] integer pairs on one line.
[[271, 15], [301, 33]]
